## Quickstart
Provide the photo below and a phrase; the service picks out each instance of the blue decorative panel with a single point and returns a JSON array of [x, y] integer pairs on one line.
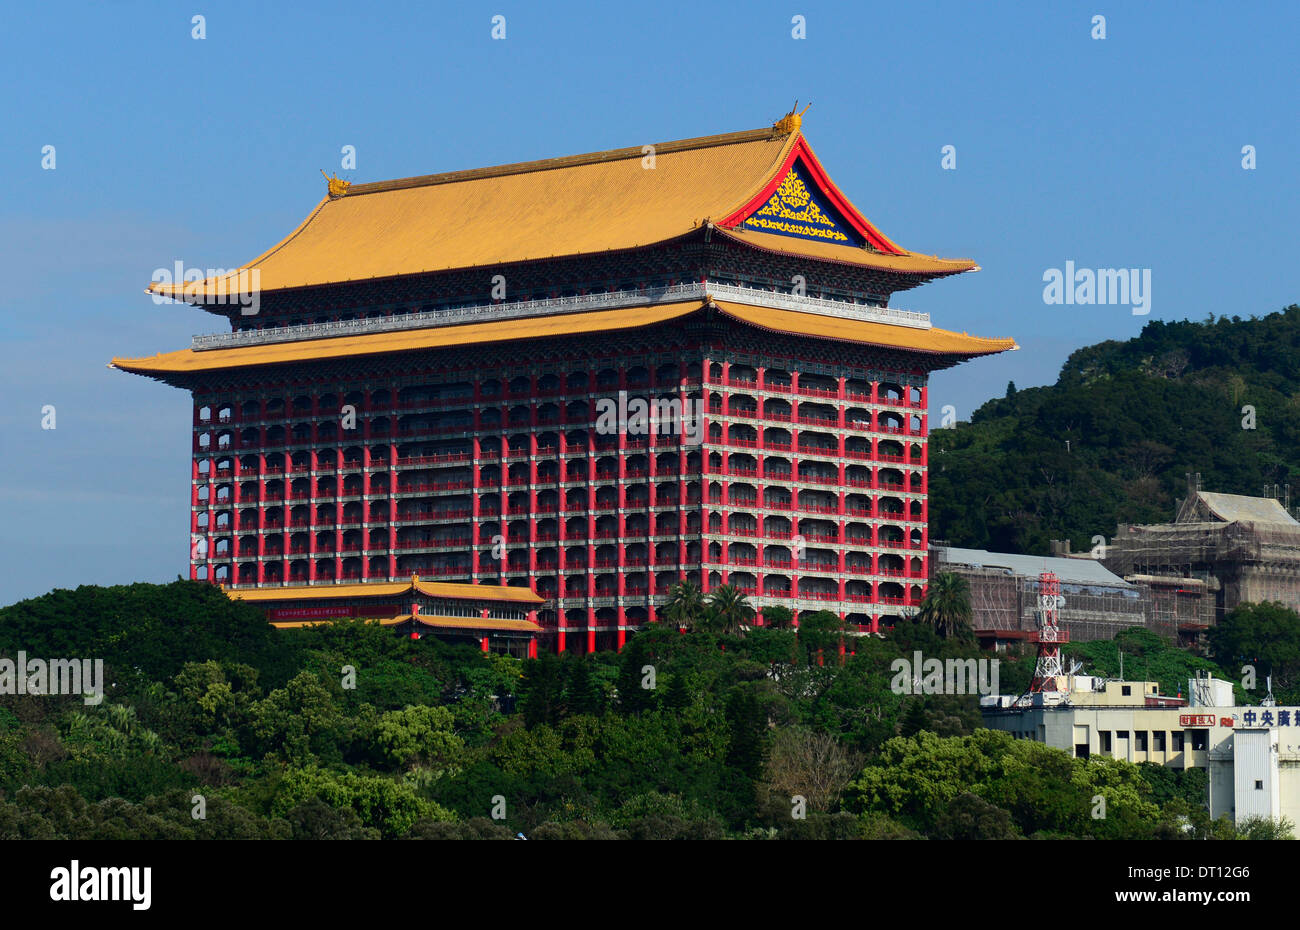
[[798, 208]]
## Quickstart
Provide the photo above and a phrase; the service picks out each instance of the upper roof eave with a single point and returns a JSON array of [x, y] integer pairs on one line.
[[907, 263], [568, 207]]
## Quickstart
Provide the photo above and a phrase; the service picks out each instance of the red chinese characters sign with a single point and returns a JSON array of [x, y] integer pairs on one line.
[[333, 613], [311, 613]]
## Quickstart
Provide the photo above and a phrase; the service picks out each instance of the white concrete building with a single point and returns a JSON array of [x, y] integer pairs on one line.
[[1251, 754]]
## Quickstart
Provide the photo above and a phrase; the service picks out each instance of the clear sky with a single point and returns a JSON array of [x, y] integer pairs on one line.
[[1122, 152]]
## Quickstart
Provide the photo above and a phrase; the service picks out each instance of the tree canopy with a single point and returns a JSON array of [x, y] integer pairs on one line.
[[1112, 440]]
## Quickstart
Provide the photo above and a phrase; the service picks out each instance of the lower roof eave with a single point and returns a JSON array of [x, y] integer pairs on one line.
[[942, 347]]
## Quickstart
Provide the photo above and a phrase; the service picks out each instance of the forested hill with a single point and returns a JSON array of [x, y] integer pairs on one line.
[[1113, 439]]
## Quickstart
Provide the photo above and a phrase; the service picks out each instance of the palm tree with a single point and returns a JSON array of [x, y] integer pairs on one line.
[[732, 610], [685, 605], [946, 605]]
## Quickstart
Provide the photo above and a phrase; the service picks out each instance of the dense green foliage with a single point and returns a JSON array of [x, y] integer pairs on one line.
[[991, 786], [348, 731], [1112, 440], [1265, 638]]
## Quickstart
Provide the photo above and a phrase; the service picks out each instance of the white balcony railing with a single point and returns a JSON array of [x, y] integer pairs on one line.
[[560, 305]]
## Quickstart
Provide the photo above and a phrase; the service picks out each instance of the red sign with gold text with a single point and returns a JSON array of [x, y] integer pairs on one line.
[[310, 613], [333, 613]]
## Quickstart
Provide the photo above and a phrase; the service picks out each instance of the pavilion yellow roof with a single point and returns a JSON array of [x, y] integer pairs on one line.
[[475, 623], [938, 341], [578, 205], [486, 624], [488, 592]]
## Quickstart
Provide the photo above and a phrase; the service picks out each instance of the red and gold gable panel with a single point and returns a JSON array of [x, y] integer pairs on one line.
[[798, 208]]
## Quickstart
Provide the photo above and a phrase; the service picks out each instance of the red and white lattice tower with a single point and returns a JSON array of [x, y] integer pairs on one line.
[[1049, 672]]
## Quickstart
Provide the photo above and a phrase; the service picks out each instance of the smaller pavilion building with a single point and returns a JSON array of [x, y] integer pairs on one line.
[[496, 617]]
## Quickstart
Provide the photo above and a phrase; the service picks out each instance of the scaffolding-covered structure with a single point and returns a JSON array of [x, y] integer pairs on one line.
[[1221, 550], [1005, 589]]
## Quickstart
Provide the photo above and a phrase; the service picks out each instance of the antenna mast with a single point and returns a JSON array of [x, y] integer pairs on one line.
[[1049, 671]]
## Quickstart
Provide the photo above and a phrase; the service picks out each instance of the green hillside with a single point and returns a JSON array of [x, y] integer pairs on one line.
[[1113, 439], [350, 731]]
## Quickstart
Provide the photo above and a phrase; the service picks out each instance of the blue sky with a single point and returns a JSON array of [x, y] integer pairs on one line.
[[1122, 152]]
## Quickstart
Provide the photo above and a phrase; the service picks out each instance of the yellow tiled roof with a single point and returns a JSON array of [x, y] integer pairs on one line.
[[494, 592], [476, 623], [939, 341], [314, 592], [907, 263], [489, 592], [578, 205], [438, 622], [188, 361]]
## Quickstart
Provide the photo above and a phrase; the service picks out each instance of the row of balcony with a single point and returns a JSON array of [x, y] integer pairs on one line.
[[576, 534], [581, 566], [486, 456], [638, 503], [226, 443], [602, 390], [383, 467], [778, 536], [468, 405], [324, 524], [632, 474], [521, 481]]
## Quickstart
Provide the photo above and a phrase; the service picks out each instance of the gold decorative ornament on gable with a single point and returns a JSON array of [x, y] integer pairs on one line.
[[337, 186], [791, 121]]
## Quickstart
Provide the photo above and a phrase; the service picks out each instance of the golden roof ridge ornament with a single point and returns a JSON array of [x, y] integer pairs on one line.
[[338, 187], [791, 122]]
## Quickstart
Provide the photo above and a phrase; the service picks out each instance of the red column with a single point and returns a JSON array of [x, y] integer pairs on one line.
[[392, 506], [212, 518], [504, 527], [337, 453]]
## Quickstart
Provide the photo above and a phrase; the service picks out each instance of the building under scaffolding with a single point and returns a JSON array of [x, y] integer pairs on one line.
[[1005, 587], [1221, 550]]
